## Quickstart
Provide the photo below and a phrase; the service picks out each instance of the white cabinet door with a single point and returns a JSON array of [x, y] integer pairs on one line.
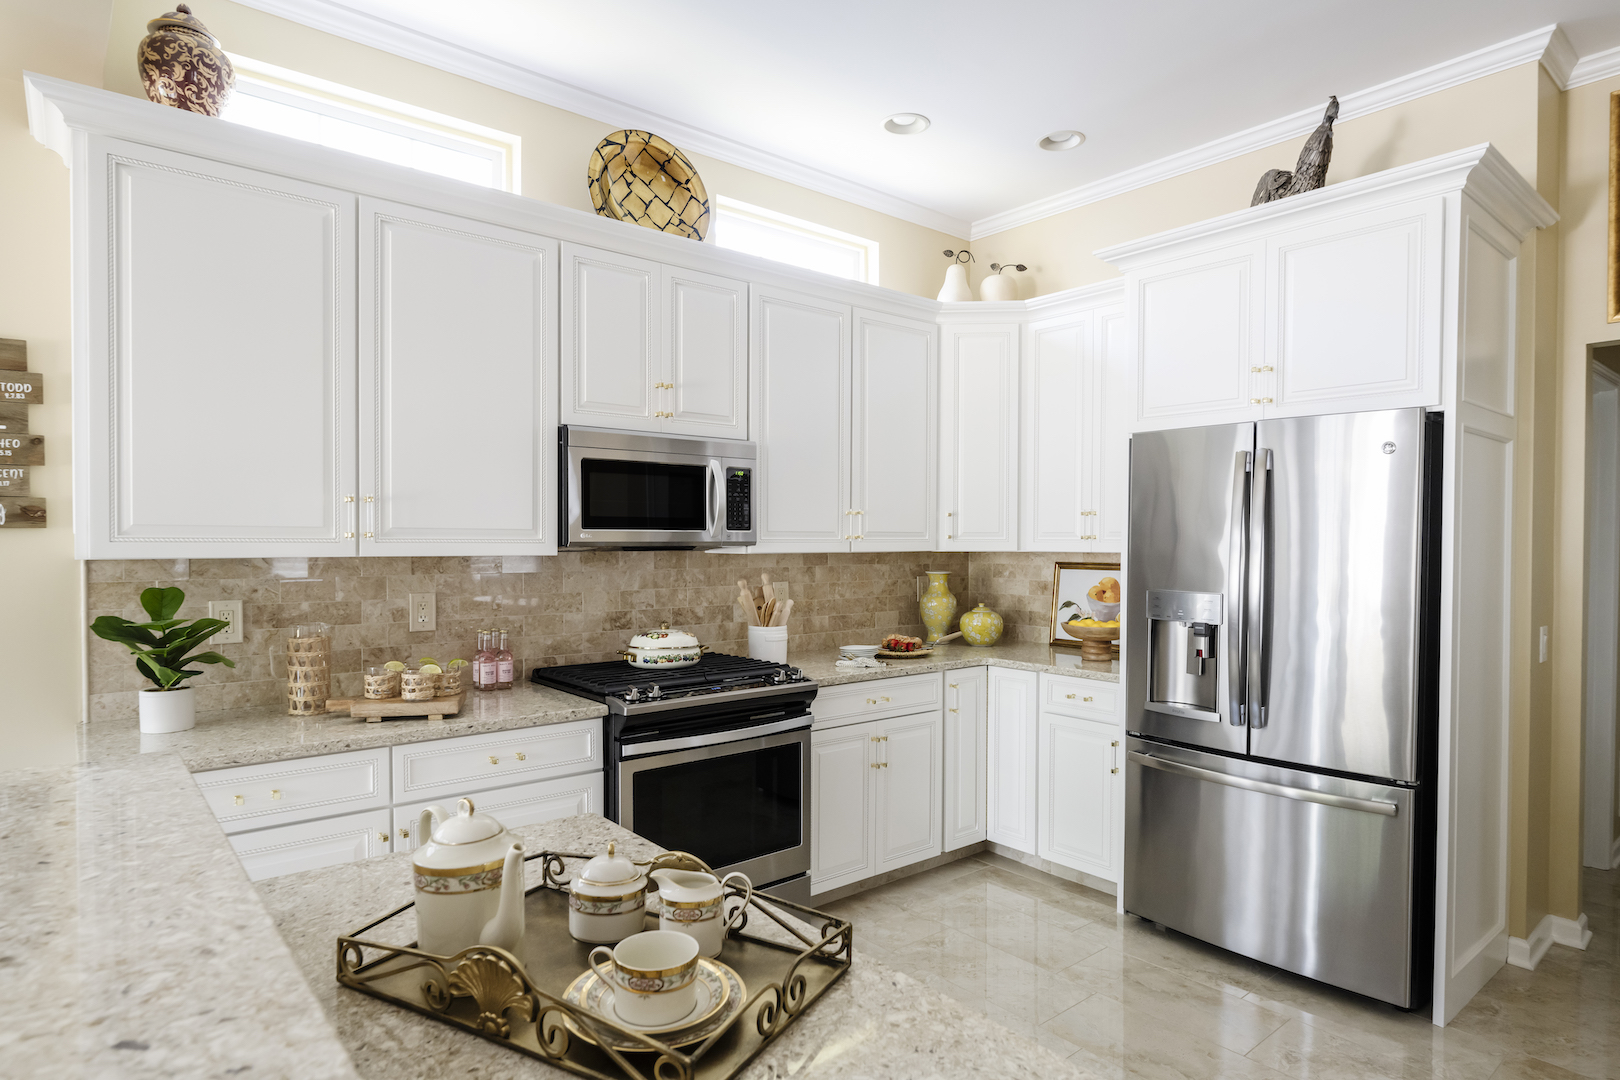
[[521, 804], [1058, 430], [979, 438], [1198, 344], [895, 408], [216, 412], [310, 845], [841, 763], [1111, 475], [611, 359], [457, 422], [906, 815], [1351, 322], [705, 372], [1011, 764], [800, 418], [966, 729], [1079, 770]]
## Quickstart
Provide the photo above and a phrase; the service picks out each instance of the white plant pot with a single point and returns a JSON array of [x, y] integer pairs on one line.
[[163, 711], [998, 287], [956, 285]]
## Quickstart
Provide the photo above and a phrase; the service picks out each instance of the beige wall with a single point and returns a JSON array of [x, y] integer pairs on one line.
[[556, 143], [1500, 109], [40, 629]]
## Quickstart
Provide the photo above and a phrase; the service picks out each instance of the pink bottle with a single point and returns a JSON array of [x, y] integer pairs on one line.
[[484, 663], [503, 663]]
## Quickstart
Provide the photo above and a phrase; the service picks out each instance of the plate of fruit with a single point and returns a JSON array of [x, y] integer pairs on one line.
[[901, 647]]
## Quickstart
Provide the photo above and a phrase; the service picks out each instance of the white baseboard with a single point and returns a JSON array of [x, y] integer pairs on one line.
[[1527, 952], [1571, 932]]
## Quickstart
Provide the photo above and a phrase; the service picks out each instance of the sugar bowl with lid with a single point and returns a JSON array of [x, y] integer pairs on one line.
[[607, 900]]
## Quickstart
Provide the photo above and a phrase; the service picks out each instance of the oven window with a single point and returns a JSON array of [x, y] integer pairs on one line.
[[724, 810], [643, 496]]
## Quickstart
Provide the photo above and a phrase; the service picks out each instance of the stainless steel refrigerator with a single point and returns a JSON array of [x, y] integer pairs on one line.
[[1281, 697]]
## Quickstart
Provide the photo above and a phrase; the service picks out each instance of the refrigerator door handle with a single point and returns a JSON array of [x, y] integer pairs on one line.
[[1257, 622], [1265, 787], [1237, 560]]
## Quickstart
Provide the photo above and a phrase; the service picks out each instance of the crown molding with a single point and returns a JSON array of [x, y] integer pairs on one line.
[[1560, 58], [1589, 69], [1524, 49], [367, 29]]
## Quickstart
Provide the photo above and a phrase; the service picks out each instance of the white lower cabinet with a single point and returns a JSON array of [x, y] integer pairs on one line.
[[521, 804], [1080, 762], [966, 732], [1011, 759], [310, 845], [875, 797]]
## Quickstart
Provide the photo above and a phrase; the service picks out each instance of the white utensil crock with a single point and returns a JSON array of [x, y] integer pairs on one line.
[[768, 643]]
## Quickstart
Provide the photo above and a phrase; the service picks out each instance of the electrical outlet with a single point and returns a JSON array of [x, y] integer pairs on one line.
[[1543, 644], [423, 613], [231, 612]]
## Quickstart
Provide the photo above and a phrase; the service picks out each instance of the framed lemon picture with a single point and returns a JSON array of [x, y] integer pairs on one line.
[[1085, 602]]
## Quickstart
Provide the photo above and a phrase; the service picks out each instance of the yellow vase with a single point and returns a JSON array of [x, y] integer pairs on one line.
[[938, 605]]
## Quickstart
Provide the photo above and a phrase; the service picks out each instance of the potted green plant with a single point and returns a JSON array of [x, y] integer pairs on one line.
[[163, 648]]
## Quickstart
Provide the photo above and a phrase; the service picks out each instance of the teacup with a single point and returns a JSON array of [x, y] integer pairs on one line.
[[692, 902], [653, 975]]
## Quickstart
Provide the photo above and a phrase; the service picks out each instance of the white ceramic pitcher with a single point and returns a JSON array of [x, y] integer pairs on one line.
[[692, 902]]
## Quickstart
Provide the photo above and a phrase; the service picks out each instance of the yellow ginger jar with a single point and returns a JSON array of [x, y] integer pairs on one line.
[[981, 627], [938, 605]]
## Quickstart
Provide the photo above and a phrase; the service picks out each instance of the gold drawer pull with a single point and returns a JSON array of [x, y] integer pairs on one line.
[[522, 757], [275, 793], [954, 710], [876, 765], [383, 837], [1085, 699], [876, 739], [404, 834], [883, 699], [953, 686], [884, 738], [493, 760], [1069, 696], [237, 799], [871, 701]]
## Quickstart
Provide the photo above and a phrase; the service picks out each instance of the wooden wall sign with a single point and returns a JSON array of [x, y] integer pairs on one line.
[[13, 354], [22, 387], [22, 449], [13, 480], [22, 513], [13, 418]]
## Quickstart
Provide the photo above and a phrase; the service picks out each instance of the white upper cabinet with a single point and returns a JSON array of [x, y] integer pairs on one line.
[[1057, 428], [652, 347], [611, 315], [895, 407], [214, 409], [979, 437], [705, 371], [1116, 378], [457, 340], [800, 402]]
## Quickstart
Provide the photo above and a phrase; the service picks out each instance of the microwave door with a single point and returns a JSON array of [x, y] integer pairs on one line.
[[632, 499]]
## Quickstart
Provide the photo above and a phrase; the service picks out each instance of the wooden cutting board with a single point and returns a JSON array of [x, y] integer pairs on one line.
[[376, 710]]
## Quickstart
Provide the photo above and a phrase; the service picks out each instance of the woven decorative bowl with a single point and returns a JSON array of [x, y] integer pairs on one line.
[[638, 177]]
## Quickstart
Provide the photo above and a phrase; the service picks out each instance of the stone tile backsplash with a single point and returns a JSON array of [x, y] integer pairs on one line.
[[576, 607]]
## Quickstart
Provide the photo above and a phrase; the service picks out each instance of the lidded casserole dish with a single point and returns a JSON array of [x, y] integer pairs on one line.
[[664, 648]]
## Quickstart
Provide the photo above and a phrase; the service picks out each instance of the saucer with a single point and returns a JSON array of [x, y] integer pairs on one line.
[[720, 992]]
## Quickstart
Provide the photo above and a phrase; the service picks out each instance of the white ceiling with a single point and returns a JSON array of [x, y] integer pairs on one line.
[[802, 89]]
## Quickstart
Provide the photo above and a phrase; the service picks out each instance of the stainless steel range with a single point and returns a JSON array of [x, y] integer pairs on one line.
[[713, 759]]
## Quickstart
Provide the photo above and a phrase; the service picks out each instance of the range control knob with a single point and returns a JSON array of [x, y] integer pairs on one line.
[[654, 693], [632, 695]]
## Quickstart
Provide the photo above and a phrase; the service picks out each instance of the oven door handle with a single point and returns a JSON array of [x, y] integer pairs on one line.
[[691, 742]]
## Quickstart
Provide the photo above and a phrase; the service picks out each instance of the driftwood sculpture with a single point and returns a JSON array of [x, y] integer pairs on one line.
[[1310, 172]]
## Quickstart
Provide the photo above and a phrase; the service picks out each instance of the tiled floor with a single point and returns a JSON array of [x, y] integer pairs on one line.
[[1052, 960]]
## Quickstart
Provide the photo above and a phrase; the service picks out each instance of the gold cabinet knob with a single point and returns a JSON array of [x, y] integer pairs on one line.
[[275, 793], [883, 699], [876, 739], [1085, 699], [522, 757], [348, 536], [1069, 696], [1115, 769], [871, 701], [382, 837], [953, 710], [368, 536], [370, 499], [883, 764], [404, 834], [1260, 401], [493, 760], [1114, 743], [953, 686], [237, 799], [348, 498]]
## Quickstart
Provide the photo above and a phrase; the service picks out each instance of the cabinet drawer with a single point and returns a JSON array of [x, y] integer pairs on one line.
[[521, 804], [450, 768], [310, 845], [852, 703], [255, 796], [1083, 697]]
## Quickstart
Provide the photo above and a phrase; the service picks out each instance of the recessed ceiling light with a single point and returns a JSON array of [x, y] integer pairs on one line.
[[906, 123], [1063, 140]]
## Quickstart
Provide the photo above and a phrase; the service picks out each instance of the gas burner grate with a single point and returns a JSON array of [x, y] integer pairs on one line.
[[614, 677]]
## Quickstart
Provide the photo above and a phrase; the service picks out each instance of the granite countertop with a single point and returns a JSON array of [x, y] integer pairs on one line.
[[1023, 656], [874, 1022], [252, 736]]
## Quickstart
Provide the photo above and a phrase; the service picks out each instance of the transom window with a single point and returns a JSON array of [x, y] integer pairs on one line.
[[771, 235]]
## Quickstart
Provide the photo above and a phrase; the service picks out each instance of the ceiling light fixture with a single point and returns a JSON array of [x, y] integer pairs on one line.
[[906, 123], [1063, 140]]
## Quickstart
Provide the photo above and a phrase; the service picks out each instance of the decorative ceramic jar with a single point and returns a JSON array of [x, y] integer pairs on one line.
[[182, 64], [981, 627], [938, 605], [607, 900], [469, 882]]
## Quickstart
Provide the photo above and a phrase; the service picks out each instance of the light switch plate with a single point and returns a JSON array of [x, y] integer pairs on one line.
[[231, 612], [423, 614]]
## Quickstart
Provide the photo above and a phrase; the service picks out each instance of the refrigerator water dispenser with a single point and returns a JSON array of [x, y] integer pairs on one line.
[[1184, 646]]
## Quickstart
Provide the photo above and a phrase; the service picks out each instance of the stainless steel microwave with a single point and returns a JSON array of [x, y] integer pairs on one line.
[[626, 489]]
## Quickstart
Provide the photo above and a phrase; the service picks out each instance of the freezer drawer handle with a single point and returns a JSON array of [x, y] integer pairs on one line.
[[1346, 802]]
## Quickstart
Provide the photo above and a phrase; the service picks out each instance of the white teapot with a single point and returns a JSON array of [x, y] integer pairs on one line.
[[607, 900], [469, 882]]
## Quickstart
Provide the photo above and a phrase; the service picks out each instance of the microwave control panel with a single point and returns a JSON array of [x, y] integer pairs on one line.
[[739, 500]]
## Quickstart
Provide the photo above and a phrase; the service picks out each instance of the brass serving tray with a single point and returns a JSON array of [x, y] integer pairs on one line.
[[516, 999]]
